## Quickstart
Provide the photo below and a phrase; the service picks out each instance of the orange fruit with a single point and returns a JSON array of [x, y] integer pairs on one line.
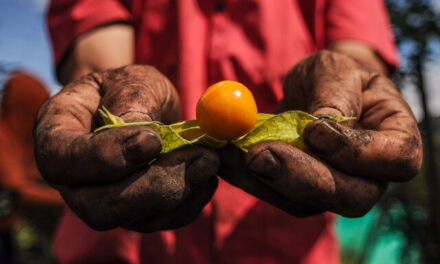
[[226, 110]]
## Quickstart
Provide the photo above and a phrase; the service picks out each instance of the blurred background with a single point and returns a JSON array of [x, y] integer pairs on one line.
[[403, 228]]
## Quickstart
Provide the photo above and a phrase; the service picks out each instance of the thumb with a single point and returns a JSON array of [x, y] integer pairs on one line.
[[99, 158], [384, 155], [290, 172]]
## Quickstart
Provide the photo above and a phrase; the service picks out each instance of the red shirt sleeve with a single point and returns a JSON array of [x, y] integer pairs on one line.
[[68, 19], [364, 21]]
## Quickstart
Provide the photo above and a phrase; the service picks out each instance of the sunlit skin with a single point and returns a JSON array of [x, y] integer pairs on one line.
[[226, 110]]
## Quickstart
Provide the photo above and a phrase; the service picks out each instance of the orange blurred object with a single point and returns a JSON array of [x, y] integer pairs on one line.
[[226, 110], [23, 95]]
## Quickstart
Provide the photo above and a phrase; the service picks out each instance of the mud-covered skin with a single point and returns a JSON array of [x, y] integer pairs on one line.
[[234, 170], [349, 167], [170, 193], [116, 177]]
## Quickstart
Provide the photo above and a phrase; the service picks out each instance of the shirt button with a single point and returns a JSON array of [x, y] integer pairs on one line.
[[219, 7]]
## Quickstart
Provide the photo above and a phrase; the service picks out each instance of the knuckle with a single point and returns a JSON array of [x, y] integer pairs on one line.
[[325, 54], [362, 202], [379, 81], [410, 163], [336, 60], [412, 168], [330, 56]]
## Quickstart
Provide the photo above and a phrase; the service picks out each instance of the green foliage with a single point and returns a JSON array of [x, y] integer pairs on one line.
[[287, 127], [173, 136]]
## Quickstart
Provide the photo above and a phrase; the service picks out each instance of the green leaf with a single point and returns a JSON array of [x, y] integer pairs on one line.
[[173, 136], [188, 129], [109, 118], [287, 127], [261, 117]]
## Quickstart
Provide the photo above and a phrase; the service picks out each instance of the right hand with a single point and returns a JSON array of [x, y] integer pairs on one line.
[[116, 177]]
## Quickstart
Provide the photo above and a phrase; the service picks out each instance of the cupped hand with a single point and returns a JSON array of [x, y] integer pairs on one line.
[[117, 177], [347, 168]]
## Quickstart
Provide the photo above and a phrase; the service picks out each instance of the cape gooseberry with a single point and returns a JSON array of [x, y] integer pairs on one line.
[[226, 110]]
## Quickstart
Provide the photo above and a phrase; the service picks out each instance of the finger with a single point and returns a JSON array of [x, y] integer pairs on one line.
[[303, 179], [70, 159], [193, 205], [186, 213], [65, 149], [386, 146], [233, 171], [325, 83], [140, 90], [147, 194], [63, 138]]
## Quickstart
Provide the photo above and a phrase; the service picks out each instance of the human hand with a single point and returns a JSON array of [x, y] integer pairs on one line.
[[116, 177], [348, 167]]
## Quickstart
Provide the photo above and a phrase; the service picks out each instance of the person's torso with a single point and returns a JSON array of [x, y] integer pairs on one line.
[[195, 44]]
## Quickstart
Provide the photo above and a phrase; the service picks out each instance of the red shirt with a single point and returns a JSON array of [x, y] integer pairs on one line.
[[196, 43]]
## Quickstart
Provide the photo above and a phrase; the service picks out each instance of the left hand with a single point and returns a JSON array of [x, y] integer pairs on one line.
[[348, 167], [116, 178]]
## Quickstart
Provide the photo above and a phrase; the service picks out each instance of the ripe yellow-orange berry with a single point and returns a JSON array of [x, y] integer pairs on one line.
[[226, 110]]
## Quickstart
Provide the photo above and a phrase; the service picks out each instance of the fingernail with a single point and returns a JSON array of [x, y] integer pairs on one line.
[[324, 138], [142, 146], [135, 116], [265, 165]]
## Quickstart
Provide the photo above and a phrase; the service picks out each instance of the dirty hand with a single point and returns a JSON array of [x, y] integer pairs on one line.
[[348, 167], [116, 177]]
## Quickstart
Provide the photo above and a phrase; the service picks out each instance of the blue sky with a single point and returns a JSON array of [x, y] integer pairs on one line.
[[24, 41], [24, 44]]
